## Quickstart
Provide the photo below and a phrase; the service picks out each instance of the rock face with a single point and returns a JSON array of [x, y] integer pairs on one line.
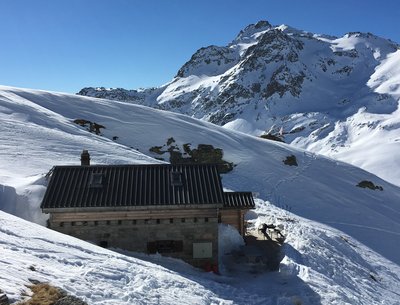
[[203, 154], [70, 300], [273, 77], [3, 298], [308, 88]]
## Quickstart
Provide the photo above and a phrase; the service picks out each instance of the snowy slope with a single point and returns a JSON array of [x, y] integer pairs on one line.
[[97, 275], [321, 93], [37, 132], [335, 270]]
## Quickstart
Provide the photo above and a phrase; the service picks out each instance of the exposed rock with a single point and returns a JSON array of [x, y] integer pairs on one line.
[[282, 81], [297, 129], [246, 34], [3, 298], [272, 137], [45, 293], [370, 185], [203, 154], [218, 60], [291, 160], [349, 53], [221, 118], [345, 70], [70, 300], [157, 150], [91, 126], [170, 141], [135, 96]]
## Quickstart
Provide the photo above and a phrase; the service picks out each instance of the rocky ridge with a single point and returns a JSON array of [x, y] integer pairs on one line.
[[313, 91]]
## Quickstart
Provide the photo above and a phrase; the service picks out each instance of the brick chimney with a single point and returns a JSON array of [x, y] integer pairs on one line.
[[85, 158]]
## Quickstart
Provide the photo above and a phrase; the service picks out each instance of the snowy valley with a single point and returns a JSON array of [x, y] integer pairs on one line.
[[343, 241]]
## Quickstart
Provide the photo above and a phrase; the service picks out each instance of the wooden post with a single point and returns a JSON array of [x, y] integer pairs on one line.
[[241, 222]]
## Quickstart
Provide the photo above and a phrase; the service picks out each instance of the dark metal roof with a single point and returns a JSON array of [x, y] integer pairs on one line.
[[118, 186], [239, 200]]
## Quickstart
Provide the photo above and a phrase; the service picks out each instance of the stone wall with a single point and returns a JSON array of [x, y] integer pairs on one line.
[[172, 233]]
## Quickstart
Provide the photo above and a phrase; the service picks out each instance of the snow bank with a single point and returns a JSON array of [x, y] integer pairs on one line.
[[24, 201], [229, 239]]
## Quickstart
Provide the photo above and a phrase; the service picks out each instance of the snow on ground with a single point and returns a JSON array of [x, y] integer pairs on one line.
[[321, 266], [374, 136], [96, 275], [334, 265], [386, 79], [36, 133]]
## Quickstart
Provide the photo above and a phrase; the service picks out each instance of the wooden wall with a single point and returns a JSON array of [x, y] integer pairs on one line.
[[235, 218]]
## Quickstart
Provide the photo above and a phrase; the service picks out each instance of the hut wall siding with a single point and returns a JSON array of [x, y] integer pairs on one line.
[[235, 218], [132, 231]]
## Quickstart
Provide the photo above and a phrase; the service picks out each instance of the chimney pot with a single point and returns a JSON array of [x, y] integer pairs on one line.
[[85, 158]]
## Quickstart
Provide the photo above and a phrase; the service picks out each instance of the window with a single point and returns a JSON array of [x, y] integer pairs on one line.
[[165, 246], [176, 179], [96, 180], [103, 244]]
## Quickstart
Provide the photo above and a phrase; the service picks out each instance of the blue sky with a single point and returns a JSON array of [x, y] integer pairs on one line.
[[65, 45]]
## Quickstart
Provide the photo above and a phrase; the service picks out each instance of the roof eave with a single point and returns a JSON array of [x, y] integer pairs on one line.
[[132, 208]]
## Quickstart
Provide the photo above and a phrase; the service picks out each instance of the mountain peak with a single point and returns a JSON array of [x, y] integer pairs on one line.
[[319, 92], [246, 35]]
